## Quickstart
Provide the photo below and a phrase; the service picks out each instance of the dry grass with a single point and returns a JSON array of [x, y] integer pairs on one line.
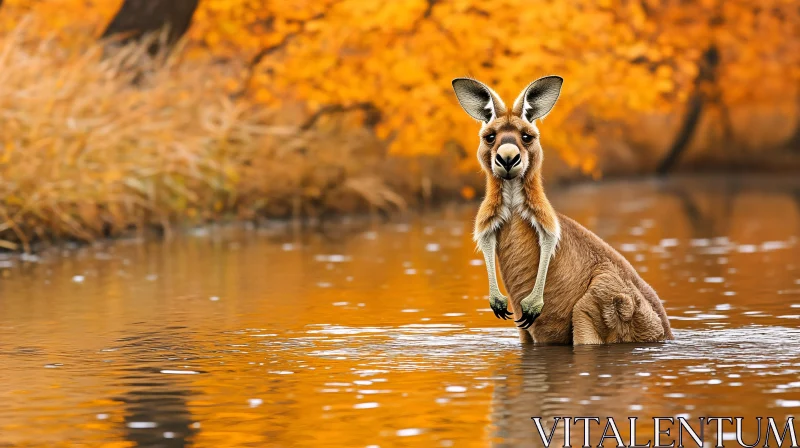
[[96, 145]]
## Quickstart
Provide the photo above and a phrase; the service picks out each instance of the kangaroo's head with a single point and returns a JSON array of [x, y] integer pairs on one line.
[[509, 139]]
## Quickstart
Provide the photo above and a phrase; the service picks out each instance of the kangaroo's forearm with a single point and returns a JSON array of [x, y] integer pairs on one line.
[[547, 246], [487, 245]]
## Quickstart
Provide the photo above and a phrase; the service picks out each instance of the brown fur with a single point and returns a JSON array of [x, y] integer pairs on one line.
[[592, 293]]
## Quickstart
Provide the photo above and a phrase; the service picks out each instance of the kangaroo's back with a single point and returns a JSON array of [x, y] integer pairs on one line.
[[603, 253]]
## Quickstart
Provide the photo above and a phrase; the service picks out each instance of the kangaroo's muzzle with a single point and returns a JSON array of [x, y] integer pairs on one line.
[[508, 161]]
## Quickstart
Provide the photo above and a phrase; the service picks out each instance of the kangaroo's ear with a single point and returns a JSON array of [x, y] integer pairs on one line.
[[478, 100], [538, 98]]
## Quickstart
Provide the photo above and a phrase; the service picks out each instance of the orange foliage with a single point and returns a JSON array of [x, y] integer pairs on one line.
[[69, 19], [620, 58]]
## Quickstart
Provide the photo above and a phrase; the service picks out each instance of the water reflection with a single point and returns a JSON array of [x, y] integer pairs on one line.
[[380, 334], [155, 400], [712, 368]]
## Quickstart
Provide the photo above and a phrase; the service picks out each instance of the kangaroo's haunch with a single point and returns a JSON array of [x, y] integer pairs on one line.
[[583, 291]]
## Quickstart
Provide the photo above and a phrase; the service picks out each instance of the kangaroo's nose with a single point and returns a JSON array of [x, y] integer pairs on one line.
[[508, 156]]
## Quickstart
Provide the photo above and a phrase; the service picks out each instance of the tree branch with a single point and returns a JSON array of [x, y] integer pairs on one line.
[[372, 112], [264, 52]]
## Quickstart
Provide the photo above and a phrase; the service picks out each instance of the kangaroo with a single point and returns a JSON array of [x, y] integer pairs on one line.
[[594, 296]]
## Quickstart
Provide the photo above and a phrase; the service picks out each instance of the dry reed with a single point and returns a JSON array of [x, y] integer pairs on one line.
[[97, 142]]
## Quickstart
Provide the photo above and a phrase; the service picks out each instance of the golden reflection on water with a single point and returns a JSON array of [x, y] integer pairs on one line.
[[380, 334]]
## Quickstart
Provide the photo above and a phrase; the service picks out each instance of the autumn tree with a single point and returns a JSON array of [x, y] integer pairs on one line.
[[621, 59], [387, 66]]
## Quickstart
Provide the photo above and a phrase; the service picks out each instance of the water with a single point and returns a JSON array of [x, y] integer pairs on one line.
[[374, 334]]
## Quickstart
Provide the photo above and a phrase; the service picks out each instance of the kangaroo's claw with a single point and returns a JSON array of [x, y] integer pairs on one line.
[[526, 321], [499, 304], [503, 314], [531, 309]]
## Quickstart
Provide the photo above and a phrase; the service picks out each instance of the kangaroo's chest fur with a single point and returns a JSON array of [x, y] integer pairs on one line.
[[517, 243], [518, 250]]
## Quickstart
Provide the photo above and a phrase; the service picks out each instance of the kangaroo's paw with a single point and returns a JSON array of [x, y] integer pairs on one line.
[[499, 304], [531, 308]]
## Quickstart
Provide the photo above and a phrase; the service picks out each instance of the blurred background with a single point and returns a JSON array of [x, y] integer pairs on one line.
[[124, 114]]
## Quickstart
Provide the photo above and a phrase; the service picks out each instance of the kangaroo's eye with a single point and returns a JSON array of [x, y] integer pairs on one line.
[[490, 138], [527, 138]]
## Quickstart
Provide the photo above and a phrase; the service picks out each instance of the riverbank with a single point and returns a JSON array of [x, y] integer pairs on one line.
[[686, 190]]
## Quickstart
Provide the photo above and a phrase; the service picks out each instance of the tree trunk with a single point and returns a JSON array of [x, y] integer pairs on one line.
[[690, 121], [136, 18], [793, 144], [694, 109]]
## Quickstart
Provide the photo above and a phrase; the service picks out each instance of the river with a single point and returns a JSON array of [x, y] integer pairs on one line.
[[379, 334]]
